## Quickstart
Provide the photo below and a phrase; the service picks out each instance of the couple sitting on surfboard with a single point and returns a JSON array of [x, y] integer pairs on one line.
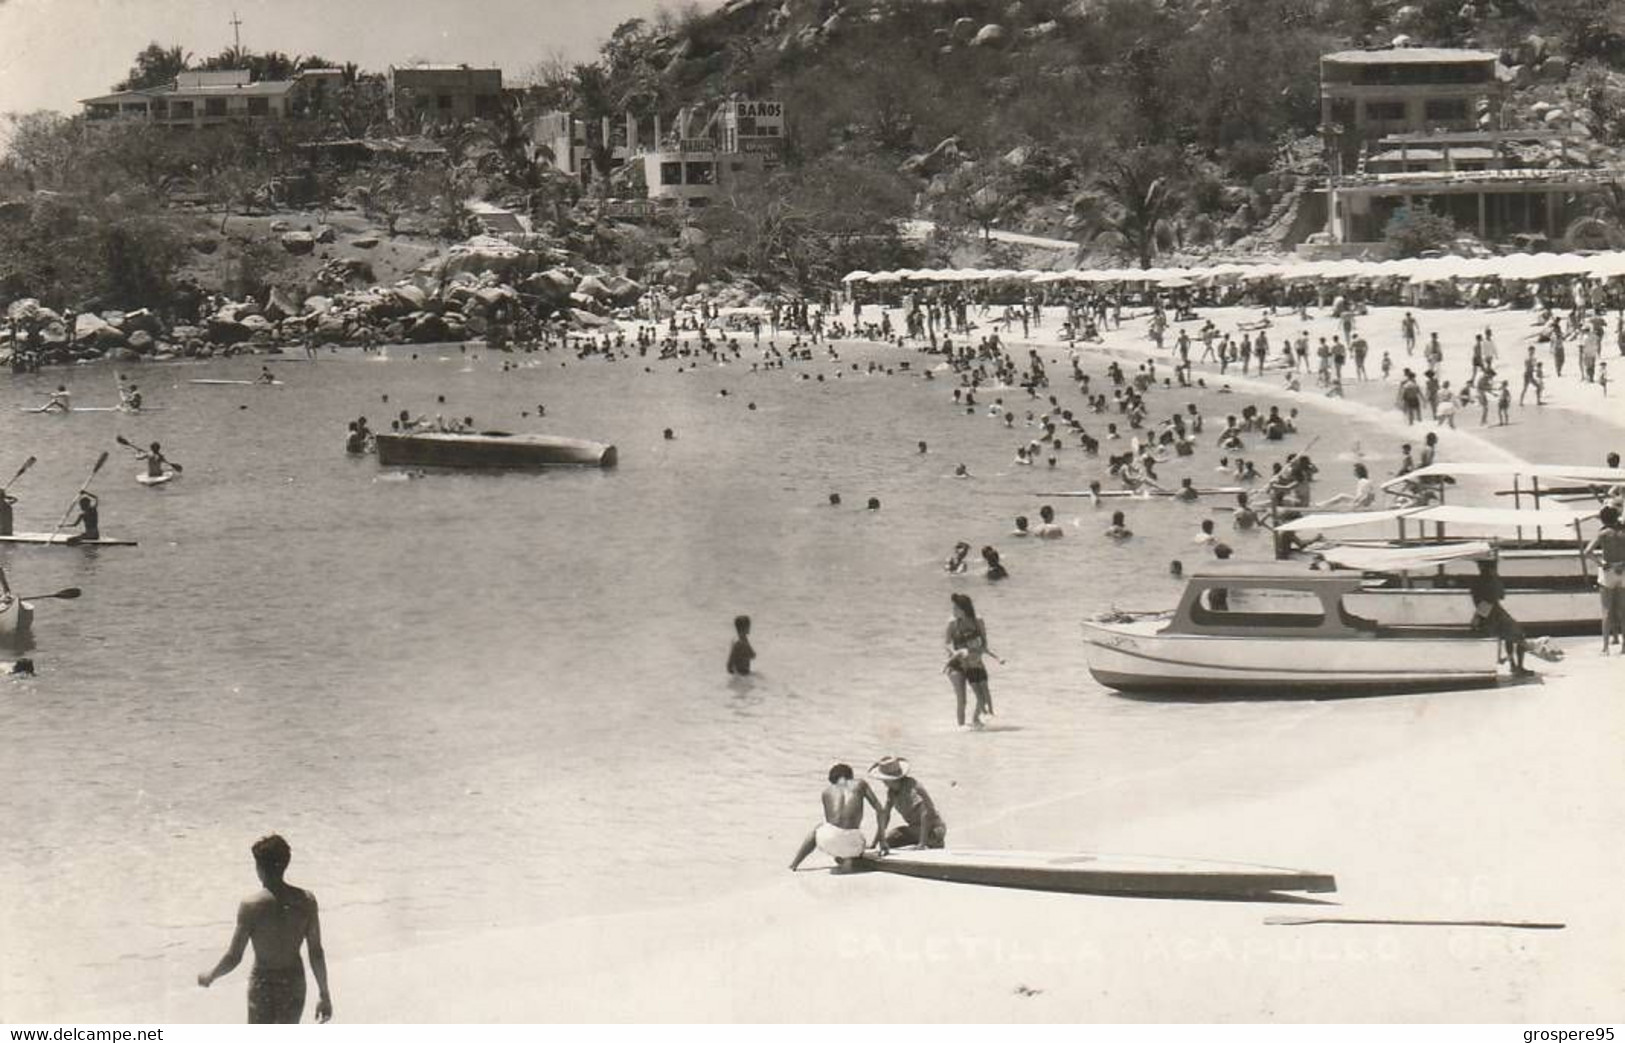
[[840, 835]]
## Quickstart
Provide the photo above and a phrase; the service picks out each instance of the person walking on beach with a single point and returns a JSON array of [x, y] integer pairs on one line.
[[923, 826], [277, 920], [840, 835], [1608, 549], [966, 641]]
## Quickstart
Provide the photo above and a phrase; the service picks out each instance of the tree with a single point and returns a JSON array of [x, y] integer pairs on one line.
[[155, 66], [1140, 183], [1414, 229]]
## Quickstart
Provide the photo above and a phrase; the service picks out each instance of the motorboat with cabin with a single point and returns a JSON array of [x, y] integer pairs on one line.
[[1282, 628]]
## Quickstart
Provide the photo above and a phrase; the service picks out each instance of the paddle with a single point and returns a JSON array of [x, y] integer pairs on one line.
[[20, 472], [126, 443], [100, 461], [67, 594]]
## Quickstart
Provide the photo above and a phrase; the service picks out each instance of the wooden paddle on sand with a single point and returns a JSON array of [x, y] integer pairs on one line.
[[126, 443], [100, 461]]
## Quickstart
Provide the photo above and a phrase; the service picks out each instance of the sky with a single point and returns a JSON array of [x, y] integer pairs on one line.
[[55, 52]]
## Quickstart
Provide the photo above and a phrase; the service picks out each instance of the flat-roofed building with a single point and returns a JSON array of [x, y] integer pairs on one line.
[[444, 93], [1423, 126], [206, 97]]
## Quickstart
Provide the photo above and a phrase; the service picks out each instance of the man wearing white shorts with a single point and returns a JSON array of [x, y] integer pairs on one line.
[[840, 835]]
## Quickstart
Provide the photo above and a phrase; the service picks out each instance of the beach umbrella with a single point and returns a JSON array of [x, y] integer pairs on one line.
[[856, 276], [883, 278]]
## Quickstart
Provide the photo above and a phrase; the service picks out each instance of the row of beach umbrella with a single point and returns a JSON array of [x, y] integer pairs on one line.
[[1517, 267]]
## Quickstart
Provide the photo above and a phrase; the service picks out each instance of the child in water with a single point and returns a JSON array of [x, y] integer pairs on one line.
[[740, 655]]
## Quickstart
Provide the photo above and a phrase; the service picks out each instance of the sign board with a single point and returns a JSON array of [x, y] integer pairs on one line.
[[696, 145], [761, 146], [754, 119]]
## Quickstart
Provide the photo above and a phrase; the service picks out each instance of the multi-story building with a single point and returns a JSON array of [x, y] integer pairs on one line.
[[202, 98], [444, 93], [691, 166], [1408, 126]]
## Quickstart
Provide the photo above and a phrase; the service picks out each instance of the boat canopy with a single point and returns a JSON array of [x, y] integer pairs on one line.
[[1407, 559], [1342, 519], [1563, 472], [1443, 514]]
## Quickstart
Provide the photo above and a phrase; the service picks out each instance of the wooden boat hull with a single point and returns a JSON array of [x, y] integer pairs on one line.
[[492, 451], [1136, 658], [16, 624], [1100, 874]]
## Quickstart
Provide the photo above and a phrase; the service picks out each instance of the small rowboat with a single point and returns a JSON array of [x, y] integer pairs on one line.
[[16, 621], [64, 539], [492, 449], [1139, 875], [1273, 628]]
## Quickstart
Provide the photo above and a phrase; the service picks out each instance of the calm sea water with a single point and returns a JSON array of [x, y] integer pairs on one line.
[[477, 700]]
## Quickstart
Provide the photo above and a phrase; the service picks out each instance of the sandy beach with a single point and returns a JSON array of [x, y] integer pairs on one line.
[[1498, 805]]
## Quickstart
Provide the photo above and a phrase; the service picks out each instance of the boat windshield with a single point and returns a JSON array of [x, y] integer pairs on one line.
[[1251, 606]]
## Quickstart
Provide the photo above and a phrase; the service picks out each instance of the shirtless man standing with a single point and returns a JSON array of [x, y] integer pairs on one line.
[[278, 920], [840, 835]]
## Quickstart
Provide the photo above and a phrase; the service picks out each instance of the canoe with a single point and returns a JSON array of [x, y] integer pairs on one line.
[[146, 479], [93, 409], [236, 383], [16, 622], [492, 449], [1133, 494], [1100, 874], [61, 539]]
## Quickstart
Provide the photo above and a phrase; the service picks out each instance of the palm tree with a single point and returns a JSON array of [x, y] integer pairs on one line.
[[1138, 180]]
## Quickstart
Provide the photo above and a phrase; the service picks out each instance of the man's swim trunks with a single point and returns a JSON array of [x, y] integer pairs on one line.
[[836, 842], [276, 995]]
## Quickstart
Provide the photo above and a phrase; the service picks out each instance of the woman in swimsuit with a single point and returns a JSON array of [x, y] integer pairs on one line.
[[966, 640]]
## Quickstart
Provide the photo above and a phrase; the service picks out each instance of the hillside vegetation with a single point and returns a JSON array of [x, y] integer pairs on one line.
[[1136, 129]]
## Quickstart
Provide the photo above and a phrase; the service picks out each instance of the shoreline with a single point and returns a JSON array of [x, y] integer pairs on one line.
[[1460, 805]]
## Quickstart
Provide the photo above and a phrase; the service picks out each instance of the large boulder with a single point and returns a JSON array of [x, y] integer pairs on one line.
[[325, 234], [142, 342], [87, 326], [425, 328], [221, 330], [280, 305], [592, 288], [106, 337], [364, 242], [331, 329], [622, 291], [142, 319], [27, 309], [990, 35], [318, 305], [298, 242], [256, 324], [928, 164], [1553, 70], [963, 30]]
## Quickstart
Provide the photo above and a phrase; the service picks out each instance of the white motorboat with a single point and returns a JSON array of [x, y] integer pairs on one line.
[[1281, 627]]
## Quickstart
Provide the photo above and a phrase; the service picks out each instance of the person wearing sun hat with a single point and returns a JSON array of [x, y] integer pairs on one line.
[[922, 827]]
